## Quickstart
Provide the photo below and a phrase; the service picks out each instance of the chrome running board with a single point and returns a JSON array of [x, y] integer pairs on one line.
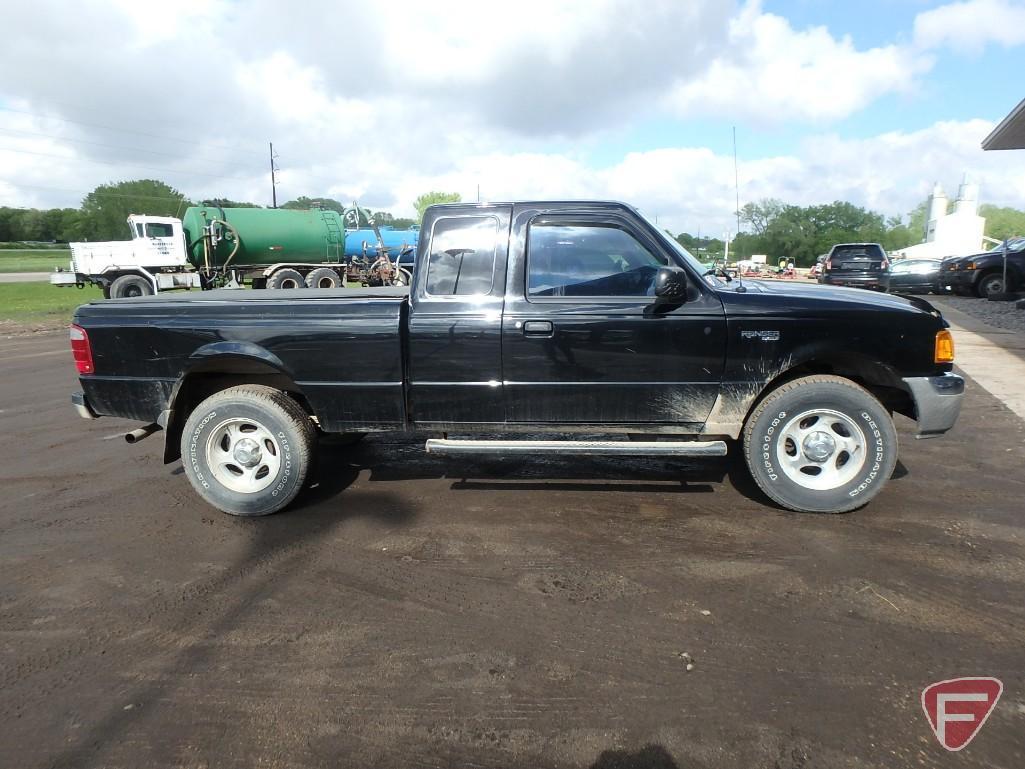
[[580, 448]]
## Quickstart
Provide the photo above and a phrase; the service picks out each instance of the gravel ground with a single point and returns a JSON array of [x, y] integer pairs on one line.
[[413, 611], [1000, 314]]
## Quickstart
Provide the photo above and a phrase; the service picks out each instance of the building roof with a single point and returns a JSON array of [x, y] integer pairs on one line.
[[1010, 134]]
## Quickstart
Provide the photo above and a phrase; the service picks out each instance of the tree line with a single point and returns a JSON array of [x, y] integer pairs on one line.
[[802, 233], [104, 211]]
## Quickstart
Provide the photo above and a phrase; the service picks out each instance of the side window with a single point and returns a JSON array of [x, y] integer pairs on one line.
[[158, 230], [588, 260], [462, 256]]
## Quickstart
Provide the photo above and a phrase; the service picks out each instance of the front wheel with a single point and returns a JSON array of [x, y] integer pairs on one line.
[[129, 286], [991, 285], [820, 444], [247, 450]]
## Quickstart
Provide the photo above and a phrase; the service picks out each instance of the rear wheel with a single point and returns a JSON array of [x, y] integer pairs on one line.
[[820, 444], [247, 450], [286, 278], [323, 277], [130, 285]]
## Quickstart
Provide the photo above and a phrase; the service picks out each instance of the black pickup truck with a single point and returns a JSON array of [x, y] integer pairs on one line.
[[560, 327]]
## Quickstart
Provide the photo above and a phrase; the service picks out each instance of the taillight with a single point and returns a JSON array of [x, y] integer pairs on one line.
[[886, 263], [944, 347], [81, 350], [828, 264]]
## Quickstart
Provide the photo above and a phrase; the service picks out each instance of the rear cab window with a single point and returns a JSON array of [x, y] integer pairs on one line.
[[461, 257]]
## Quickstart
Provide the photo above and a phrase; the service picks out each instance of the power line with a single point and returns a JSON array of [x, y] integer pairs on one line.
[[100, 194], [122, 130], [100, 144], [121, 165]]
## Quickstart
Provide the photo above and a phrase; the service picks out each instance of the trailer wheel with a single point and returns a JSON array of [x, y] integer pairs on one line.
[[247, 450], [323, 277], [286, 278], [820, 444], [130, 285]]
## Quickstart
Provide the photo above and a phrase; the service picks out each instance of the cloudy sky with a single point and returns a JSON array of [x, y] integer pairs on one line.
[[379, 101]]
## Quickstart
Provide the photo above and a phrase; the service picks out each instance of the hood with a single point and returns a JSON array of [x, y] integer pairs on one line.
[[792, 295]]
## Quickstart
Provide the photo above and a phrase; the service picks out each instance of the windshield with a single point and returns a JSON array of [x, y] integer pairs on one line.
[[685, 255]]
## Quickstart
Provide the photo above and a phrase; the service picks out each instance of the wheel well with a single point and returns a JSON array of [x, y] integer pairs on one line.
[[211, 376], [878, 378]]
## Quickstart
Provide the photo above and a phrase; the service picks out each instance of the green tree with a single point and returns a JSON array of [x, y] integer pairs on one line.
[[229, 203], [304, 203], [433, 198], [917, 219], [758, 216], [1002, 222], [105, 210]]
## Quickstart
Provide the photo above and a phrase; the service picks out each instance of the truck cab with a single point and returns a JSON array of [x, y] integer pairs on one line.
[[155, 259]]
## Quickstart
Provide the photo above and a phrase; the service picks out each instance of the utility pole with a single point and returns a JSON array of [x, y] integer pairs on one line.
[[273, 181]]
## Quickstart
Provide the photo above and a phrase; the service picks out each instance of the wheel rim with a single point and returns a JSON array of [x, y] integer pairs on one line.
[[821, 449], [289, 283], [243, 455], [326, 283], [993, 286], [132, 290]]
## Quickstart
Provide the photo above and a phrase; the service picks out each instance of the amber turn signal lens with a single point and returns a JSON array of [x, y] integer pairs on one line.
[[944, 347]]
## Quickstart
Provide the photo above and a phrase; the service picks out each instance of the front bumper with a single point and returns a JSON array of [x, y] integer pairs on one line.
[[81, 404], [958, 279], [937, 402]]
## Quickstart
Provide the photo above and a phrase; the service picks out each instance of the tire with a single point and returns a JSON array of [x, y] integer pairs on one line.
[[130, 285], [286, 278], [787, 455], [247, 450], [990, 285], [323, 277]]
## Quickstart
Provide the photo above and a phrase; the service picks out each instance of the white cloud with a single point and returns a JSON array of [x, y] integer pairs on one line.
[[773, 72], [970, 25], [381, 101]]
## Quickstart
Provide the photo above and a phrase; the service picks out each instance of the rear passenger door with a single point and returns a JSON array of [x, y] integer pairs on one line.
[[455, 325], [582, 340]]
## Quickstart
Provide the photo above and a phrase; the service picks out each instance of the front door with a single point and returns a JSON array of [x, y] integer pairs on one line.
[[584, 342]]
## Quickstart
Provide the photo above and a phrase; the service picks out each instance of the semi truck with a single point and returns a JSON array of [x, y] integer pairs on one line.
[[214, 247]]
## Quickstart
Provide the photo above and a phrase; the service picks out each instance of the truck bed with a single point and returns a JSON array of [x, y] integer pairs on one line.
[[341, 348]]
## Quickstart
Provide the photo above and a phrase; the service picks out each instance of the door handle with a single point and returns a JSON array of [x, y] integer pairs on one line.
[[543, 328]]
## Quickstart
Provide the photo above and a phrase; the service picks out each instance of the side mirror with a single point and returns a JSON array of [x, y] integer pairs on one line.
[[671, 285]]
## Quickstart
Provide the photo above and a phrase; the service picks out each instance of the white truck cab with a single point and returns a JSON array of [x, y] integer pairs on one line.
[[154, 260]]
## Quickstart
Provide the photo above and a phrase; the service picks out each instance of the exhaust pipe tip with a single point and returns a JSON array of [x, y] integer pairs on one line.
[[143, 432]]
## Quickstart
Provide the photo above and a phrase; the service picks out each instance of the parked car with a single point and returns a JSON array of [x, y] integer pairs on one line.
[[983, 274], [915, 276], [858, 265], [816, 269], [581, 322]]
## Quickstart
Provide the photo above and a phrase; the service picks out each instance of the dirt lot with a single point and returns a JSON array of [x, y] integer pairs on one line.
[[419, 612]]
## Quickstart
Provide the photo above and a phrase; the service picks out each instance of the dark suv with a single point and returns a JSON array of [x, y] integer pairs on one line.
[[860, 265], [983, 274]]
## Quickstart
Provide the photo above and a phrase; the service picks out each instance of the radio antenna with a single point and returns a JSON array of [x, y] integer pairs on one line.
[[736, 189]]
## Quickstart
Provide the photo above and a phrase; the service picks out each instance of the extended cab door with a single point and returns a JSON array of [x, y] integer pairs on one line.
[[455, 323], [582, 338]]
